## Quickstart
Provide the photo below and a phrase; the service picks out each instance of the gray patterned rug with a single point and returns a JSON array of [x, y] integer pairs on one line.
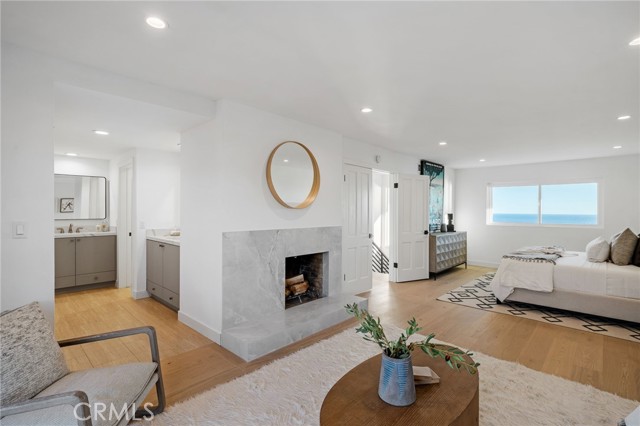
[[477, 294]]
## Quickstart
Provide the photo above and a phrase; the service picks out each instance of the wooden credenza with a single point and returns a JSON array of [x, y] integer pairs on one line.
[[447, 250]]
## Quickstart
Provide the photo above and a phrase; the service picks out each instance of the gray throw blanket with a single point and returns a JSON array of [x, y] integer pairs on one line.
[[537, 254]]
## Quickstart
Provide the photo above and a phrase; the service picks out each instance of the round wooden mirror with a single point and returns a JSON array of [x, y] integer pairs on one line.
[[293, 175]]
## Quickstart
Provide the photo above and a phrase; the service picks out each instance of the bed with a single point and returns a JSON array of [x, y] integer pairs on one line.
[[572, 283]]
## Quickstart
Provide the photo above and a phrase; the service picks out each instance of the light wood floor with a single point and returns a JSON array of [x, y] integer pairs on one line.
[[191, 363]]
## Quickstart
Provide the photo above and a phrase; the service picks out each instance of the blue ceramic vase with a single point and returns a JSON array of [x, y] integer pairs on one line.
[[396, 381]]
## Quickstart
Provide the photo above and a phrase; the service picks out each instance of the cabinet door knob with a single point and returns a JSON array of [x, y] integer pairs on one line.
[[161, 245], [171, 298]]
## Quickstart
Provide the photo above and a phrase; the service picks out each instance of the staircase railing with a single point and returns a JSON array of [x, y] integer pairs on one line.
[[380, 262]]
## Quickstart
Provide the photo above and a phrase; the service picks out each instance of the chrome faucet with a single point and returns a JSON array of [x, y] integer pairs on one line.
[[71, 228], [61, 230], [78, 229]]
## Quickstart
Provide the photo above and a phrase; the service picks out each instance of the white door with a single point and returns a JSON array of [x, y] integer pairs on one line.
[[124, 226], [410, 248], [356, 229]]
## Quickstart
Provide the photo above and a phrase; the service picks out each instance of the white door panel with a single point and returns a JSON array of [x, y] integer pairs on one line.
[[411, 221], [356, 232]]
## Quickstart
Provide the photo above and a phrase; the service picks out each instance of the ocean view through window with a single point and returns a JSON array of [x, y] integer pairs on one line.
[[549, 204]]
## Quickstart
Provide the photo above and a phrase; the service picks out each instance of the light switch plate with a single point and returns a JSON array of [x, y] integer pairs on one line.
[[19, 230]]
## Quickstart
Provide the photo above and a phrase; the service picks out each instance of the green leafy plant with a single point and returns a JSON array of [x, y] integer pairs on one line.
[[372, 330]]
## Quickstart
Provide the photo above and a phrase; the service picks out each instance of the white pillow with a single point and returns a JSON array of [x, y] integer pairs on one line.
[[598, 250]]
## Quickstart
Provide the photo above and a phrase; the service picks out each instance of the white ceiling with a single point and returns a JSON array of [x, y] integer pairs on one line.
[[130, 123], [512, 82]]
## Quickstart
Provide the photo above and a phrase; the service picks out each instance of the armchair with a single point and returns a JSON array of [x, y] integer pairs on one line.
[[37, 387]]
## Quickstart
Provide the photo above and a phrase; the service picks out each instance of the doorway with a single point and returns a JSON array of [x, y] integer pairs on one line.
[[385, 228], [380, 207], [125, 225]]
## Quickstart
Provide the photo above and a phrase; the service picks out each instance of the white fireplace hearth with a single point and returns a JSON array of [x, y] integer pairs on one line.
[[255, 321]]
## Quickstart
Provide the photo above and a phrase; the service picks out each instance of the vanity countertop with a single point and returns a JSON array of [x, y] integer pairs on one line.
[[168, 239], [83, 234]]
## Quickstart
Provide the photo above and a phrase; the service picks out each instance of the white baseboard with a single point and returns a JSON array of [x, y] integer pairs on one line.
[[199, 327], [484, 263], [139, 294]]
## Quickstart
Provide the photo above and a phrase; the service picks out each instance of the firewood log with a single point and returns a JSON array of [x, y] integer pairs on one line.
[[294, 280], [299, 288]]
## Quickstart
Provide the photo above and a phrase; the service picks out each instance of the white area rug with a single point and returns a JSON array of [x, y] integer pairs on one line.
[[477, 294], [290, 391]]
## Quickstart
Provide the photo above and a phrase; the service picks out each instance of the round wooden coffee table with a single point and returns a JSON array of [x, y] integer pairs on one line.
[[354, 399]]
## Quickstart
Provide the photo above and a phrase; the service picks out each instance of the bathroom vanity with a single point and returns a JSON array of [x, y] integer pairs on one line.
[[163, 269], [84, 258]]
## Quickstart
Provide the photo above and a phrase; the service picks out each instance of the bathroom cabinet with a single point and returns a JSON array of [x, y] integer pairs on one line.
[[84, 260], [163, 273]]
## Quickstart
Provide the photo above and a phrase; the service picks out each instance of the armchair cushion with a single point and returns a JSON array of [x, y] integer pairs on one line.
[[121, 385], [61, 415], [31, 358]]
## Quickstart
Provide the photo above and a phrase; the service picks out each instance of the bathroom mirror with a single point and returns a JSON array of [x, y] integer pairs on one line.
[[80, 197], [293, 175]]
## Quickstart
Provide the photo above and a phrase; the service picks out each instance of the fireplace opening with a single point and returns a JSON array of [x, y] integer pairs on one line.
[[304, 276]]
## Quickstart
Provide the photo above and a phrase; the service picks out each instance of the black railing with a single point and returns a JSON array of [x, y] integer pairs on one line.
[[380, 262]]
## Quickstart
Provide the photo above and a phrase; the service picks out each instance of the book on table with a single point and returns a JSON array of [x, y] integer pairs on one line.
[[424, 376]]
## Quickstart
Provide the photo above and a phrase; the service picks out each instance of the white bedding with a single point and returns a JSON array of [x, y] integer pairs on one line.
[[571, 273]]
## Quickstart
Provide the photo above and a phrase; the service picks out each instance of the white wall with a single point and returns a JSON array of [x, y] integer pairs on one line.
[[157, 203], [363, 154], [487, 243], [66, 165], [224, 188], [449, 185], [27, 180]]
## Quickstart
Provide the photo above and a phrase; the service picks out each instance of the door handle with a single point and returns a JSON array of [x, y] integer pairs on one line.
[[370, 235], [426, 232]]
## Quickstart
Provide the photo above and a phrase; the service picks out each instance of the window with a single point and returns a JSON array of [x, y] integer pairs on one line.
[[553, 204]]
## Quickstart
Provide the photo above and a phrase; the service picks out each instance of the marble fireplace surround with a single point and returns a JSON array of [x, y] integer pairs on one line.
[[254, 319]]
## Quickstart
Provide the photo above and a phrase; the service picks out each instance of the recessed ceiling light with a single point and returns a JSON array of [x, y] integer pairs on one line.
[[617, 147], [624, 117], [156, 23], [442, 143], [285, 160], [72, 154], [366, 110], [101, 132], [635, 42], [482, 160]]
